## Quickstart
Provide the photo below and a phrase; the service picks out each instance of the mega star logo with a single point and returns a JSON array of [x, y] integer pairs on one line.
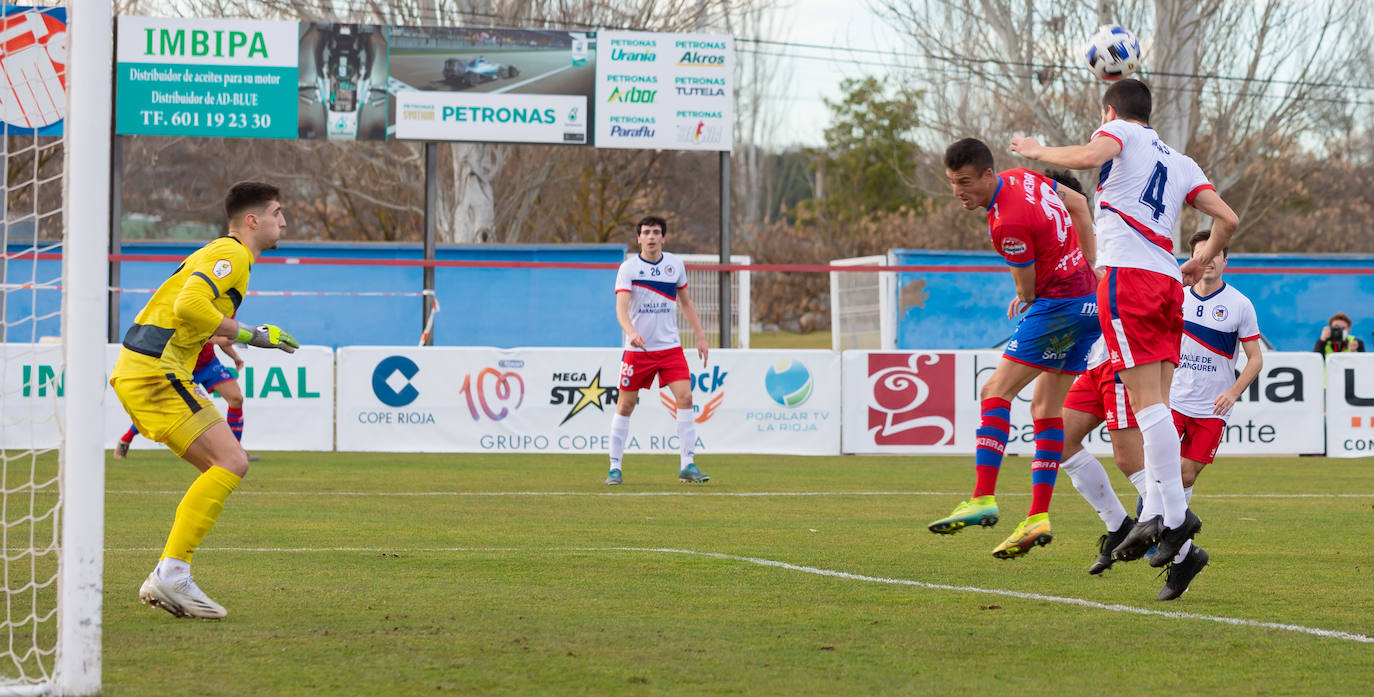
[[582, 397]]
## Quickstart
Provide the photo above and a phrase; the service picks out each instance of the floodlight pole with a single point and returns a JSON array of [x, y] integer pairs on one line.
[[725, 339], [431, 223]]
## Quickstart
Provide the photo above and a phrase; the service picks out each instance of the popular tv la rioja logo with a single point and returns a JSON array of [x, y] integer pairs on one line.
[[911, 398]]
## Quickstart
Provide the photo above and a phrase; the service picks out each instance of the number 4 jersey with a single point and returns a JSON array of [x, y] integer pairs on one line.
[[1140, 194]]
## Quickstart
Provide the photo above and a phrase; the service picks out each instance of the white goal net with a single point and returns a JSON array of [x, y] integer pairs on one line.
[[53, 295], [863, 305]]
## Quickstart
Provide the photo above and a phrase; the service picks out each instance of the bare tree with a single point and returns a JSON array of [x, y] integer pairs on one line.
[[1270, 73]]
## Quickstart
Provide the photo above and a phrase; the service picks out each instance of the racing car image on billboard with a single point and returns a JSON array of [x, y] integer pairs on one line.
[[462, 73]]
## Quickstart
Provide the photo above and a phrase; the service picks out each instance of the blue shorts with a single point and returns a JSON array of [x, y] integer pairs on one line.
[[213, 373], [1056, 334]]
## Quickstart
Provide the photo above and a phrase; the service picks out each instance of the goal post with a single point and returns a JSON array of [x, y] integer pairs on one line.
[[85, 302], [863, 305]]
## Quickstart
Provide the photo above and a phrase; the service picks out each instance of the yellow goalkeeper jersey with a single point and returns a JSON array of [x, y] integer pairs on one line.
[[186, 309]]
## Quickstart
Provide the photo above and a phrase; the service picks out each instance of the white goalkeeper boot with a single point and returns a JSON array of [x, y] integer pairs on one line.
[[181, 597]]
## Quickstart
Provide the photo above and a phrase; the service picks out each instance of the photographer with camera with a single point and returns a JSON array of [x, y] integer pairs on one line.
[[1336, 336]]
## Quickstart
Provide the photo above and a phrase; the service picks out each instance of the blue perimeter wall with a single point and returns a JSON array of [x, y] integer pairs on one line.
[[477, 307], [964, 306]]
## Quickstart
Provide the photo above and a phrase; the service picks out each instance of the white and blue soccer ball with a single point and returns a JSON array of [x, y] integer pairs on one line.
[[1112, 52], [788, 382]]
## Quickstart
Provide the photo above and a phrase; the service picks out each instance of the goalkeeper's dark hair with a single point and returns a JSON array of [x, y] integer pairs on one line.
[[1202, 236], [968, 151], [651, 221], [244, 196], [1131, 99], [1065, 177]]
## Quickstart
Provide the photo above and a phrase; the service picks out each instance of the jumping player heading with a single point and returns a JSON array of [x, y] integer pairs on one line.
[[1043, 232], [1143, 186]]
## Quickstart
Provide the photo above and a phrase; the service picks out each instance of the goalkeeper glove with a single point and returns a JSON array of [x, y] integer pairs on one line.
[[267, 336]]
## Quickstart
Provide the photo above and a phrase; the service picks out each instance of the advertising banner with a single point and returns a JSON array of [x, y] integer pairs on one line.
[[288, 398], [561, 400], [665, 91], [506, 118], [342, 81], [928, 403], [207, 77], [495, 85], [33, 63], [1349, 404]]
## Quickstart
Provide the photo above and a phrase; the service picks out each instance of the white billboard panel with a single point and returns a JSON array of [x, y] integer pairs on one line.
[[561, 400], [665, 91]]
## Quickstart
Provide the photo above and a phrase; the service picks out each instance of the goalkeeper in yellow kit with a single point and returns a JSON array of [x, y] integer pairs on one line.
[[153, 381]]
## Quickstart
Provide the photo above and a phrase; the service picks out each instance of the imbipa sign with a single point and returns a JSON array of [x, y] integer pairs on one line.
[[288, 399]]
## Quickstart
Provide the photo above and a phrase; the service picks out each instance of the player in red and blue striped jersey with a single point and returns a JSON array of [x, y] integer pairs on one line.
[[1045, 236], [1144, 185]]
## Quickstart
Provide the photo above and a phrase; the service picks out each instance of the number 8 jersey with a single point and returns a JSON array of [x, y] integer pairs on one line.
[[1140, 194]]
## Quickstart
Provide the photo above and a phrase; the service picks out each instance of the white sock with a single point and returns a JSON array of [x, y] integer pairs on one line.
[[1183, 551], [170, 569], [1090, 479], [620, 430], [1163, 462], [686, 436], [1188, 494], [1138, 480]]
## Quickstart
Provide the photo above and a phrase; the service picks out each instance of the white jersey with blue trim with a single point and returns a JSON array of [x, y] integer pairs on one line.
[[1213, 328], [653, 288], [1140, 194]]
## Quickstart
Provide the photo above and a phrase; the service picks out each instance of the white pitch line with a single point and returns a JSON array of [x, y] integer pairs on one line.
[[508, 88], [696, 492], [1109, 607]]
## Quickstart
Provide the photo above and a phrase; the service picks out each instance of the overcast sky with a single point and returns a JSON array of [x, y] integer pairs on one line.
[[843, 23]]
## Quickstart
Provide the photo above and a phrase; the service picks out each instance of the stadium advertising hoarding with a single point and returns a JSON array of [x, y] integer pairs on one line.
[[665, 91], [33, 63], [496, 85], [928, 403], [206, 77], [1349, 404], [262, 79], [288, 398], [561, 400]]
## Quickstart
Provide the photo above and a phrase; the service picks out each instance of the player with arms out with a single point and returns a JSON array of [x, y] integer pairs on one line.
[[648, 290], [211, 375], [153, 380], [1043, 232], [1143, 185]]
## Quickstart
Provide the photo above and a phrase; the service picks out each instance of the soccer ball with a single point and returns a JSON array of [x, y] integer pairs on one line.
[[1112, 52]]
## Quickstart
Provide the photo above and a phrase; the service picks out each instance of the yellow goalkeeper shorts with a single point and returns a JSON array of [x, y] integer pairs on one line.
[[166, 408]]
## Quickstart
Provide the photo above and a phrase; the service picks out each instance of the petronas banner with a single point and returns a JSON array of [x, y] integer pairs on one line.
[[259, 79]]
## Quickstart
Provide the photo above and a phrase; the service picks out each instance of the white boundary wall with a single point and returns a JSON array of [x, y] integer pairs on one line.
[[527, 400]]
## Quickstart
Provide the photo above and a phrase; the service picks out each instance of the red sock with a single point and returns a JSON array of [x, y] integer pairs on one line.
[[128, 436], [990, 444], [1049, 450]]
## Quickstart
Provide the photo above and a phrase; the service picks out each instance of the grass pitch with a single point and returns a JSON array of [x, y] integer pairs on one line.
[[348, 574]]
